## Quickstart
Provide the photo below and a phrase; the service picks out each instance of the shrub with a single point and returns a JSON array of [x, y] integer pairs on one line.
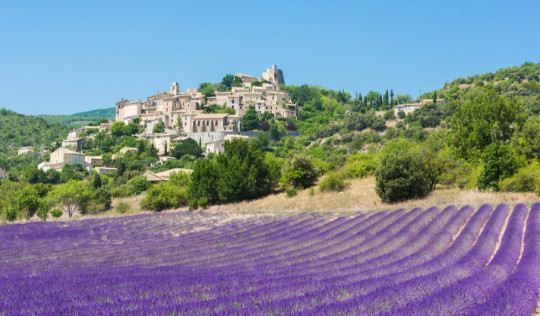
[[138, 185], [333, 182], [164, 196], [401, 174], [360, 165], [467, 176], [311, 191], [56, 213], [179, 178], [122, 207], [121, 191], [43, 211], [291, 192], [11, 213], [299, 172], [389, 115], [525, 180]]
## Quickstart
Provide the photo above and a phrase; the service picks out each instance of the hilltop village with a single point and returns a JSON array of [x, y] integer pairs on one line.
[[167, 118], [183, 116]]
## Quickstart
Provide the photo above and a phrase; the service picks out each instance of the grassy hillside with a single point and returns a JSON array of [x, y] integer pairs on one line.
[[521, 83]]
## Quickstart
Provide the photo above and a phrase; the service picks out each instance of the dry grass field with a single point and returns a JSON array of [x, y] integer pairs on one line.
[[361, 196]]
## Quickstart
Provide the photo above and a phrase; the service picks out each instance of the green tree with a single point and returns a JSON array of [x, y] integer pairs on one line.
[[96, 182], [186, 147], [118, 128], [73, 195], [131, 129], [229, 81], [43, 210], [403, 98], [483, 120], [250, 120], [202, 189], [159, 128], [299, 172], [499, 163], [28, 202], [401, 174], [276, 131], [389, 115], [243, 172], [208, 89], [527, 142]]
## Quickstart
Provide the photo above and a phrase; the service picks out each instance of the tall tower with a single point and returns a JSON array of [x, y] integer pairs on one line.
[[175, 88], [273, 75]]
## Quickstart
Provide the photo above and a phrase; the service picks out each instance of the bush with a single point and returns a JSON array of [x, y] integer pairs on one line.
[[527, 179], [43, 211], [164, 196], [11, 214], [121, 191], [401, 175], [122, 207], [291, 192], [333, 182], [360, 165], [299, 172], [138, 185], [389, 115], [179, 178], [56, 213]]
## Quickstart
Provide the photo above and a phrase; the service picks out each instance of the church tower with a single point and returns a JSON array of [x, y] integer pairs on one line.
[[175, 88]]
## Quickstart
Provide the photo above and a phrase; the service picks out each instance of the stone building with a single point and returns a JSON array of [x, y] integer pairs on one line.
[[75, 143], [60, 157], [411, 107], [24, 150]]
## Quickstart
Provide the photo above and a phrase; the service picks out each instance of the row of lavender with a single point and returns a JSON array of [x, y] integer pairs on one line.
[[450, 261]]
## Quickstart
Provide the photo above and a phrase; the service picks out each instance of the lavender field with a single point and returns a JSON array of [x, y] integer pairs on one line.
[[442, 261]]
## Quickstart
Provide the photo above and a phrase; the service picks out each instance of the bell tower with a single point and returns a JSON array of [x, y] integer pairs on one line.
[[175, 88]]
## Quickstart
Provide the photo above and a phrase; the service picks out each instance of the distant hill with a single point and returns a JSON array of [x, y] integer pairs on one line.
[[81, 118], [109, 113], [17, 130]]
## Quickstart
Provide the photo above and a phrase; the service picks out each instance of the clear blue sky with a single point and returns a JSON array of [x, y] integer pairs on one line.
[[61, 57]]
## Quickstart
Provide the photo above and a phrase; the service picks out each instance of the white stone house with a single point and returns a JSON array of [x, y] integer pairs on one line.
[[24, 150], [60, 157]]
